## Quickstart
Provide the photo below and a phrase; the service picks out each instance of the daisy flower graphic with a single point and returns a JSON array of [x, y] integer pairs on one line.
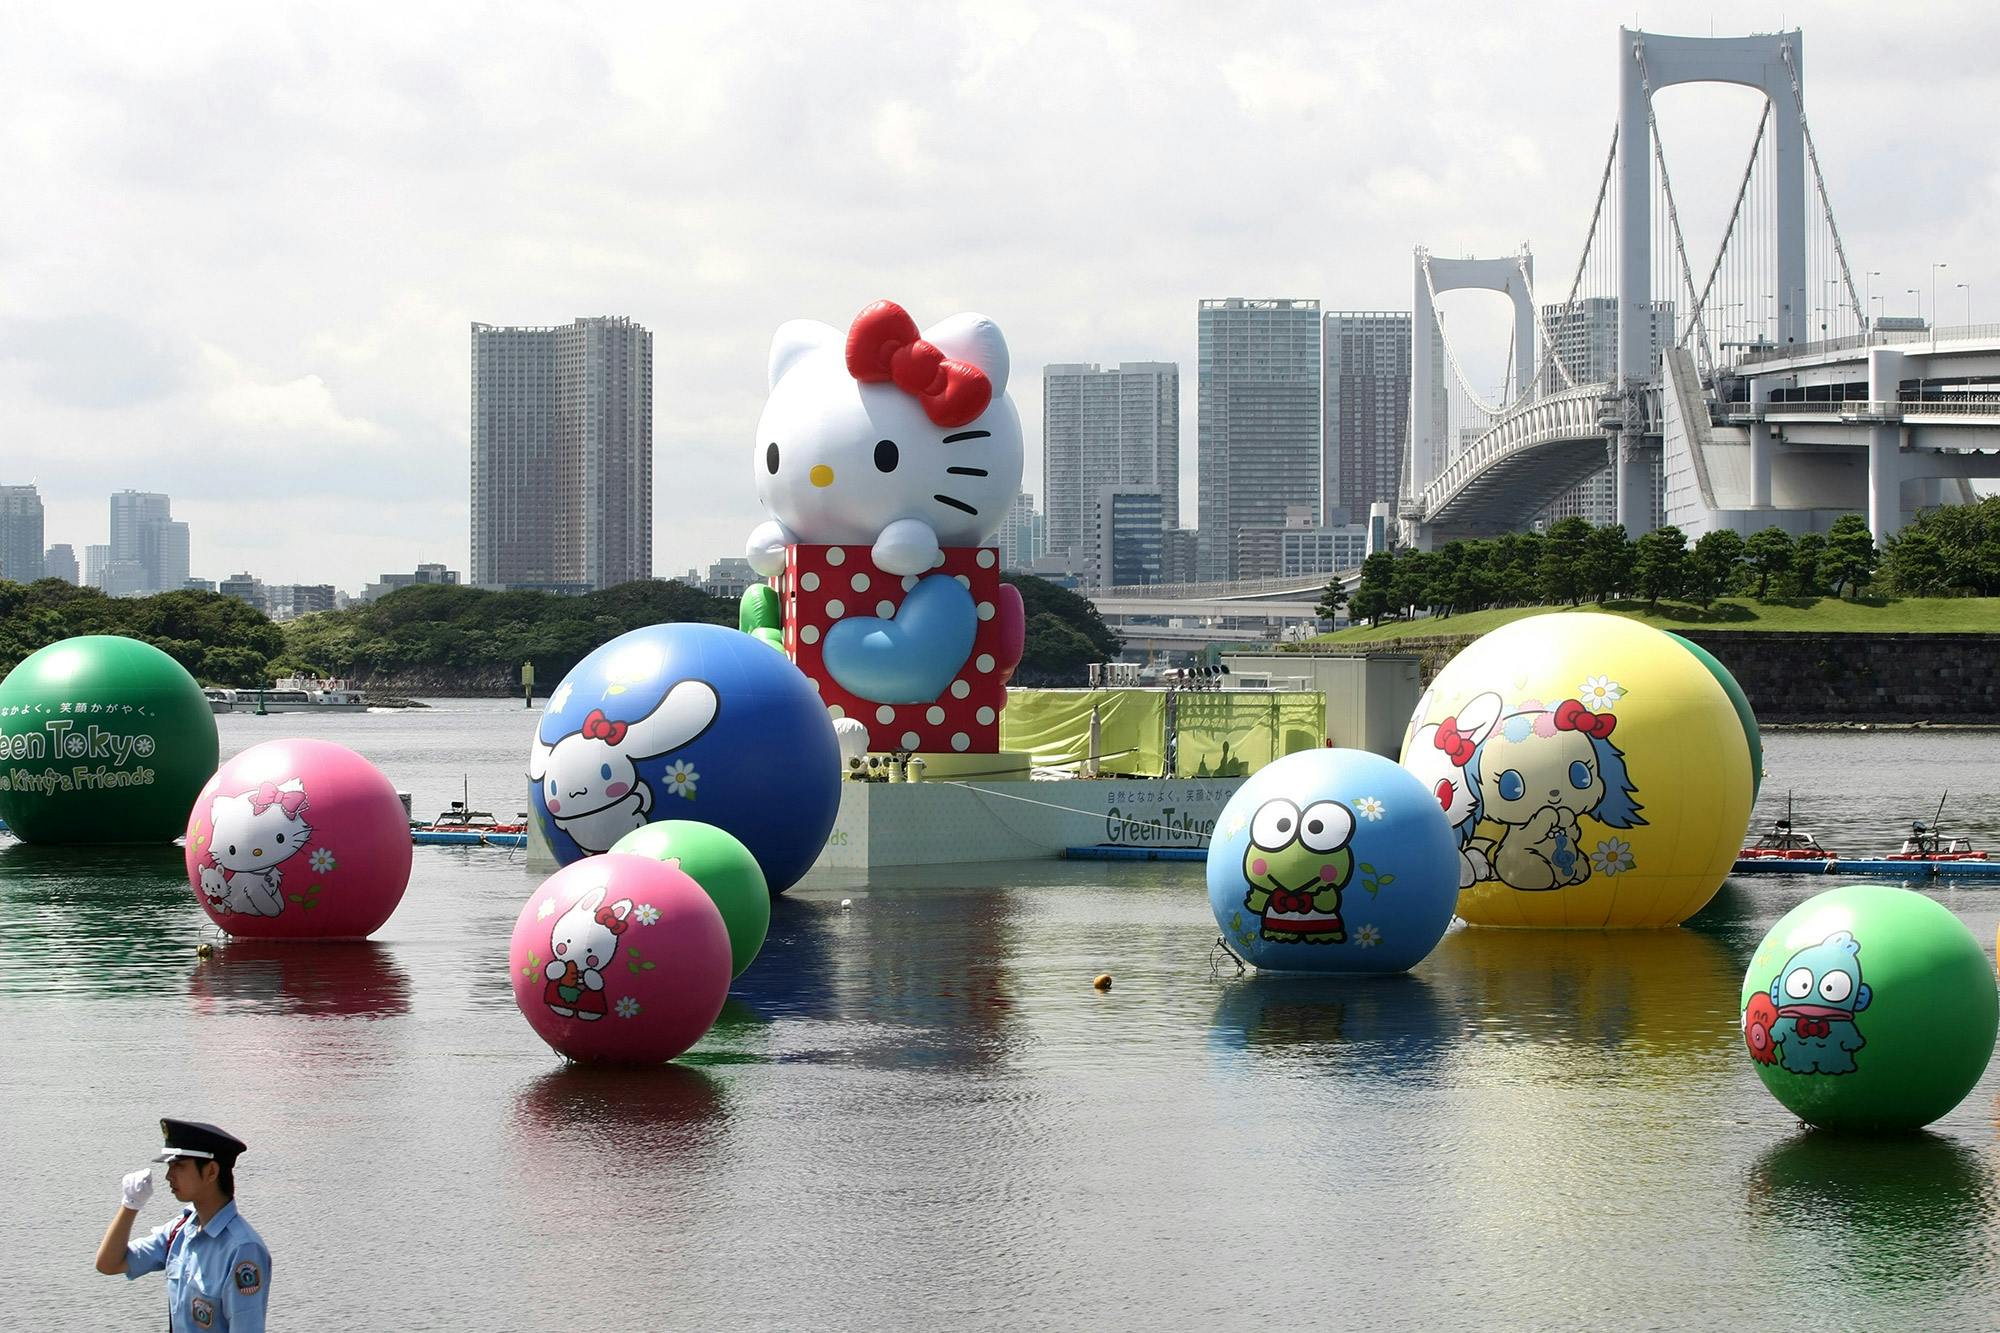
[[627, 1007], [681, 779], [1599, 693], [645, 914], [321, 860], [548, 906], [1368, 808], [1612, 857], [1367, 937]]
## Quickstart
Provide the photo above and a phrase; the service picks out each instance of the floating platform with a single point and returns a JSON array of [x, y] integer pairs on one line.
[[1852, 865], [466, 838]]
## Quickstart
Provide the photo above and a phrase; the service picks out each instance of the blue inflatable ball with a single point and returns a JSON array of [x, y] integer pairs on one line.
[[1333, 861], [693, 722]]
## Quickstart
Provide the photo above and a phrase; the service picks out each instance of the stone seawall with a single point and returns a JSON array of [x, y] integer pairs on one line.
[[1794, 678]]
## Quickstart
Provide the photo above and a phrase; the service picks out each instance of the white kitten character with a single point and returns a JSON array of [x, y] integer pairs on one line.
[[253, 834], [590, 778], [581, 947], [883, 437], [1438, 753]]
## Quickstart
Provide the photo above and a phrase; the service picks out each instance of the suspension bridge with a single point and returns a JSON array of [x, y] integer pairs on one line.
[[1748, 391]]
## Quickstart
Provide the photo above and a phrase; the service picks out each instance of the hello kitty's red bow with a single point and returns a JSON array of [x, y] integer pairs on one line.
[[597, 727], [883, 347], [1573, 716], [1454, 742], [610, 919], [269, 795]]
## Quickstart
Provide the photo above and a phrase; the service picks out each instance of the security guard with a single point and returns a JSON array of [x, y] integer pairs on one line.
[[218, 1269]]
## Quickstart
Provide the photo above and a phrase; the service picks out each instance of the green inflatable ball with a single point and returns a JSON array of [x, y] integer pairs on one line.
[[102, 739], [1737, 700], [723, 867], [1870, 1008]]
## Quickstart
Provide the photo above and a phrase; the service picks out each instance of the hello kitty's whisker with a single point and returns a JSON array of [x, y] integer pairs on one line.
[[967, 435], [955, 504], [966, 471]]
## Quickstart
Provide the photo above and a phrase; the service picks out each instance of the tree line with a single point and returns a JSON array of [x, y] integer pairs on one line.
[[1945, 552], [447, 630]]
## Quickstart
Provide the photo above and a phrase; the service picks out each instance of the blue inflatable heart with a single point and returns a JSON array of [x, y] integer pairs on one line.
[[910, 658]]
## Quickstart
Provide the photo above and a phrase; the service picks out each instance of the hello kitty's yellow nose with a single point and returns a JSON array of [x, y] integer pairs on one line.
[[256, 851], [821, 475]]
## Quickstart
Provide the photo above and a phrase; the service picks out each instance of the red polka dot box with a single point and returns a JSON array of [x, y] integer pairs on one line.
[[824, 585]]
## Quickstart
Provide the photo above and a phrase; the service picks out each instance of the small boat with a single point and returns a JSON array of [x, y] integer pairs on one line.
[[1785, 842], [461, 818], [1926, 843]]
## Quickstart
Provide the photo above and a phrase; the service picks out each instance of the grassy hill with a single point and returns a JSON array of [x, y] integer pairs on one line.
[[1819, 615]]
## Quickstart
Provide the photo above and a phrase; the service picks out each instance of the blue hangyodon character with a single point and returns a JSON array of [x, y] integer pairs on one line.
[[1806, 1020]]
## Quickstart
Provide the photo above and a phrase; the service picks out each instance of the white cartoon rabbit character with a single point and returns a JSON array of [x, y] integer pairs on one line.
[[252, 834], [1438, 753], [581, 947], [590, 779], [883, 437]]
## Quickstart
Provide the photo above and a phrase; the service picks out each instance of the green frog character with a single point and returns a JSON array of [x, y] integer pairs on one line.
[[1296, 864]]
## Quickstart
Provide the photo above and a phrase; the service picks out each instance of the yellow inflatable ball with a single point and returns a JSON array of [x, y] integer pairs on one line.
[[1594, 773]]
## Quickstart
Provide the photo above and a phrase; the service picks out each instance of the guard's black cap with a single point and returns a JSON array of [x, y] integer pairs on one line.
[[192, 1138]]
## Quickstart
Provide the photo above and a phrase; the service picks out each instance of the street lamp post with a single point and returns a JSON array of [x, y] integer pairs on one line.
[[1934, 308], [1917, 292], [1968, 303], [1868, 307]]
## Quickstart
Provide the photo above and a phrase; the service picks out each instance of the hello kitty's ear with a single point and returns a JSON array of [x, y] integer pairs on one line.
[[976, 340], [590, 901], [795, 339], [538, 761], [622, 908]]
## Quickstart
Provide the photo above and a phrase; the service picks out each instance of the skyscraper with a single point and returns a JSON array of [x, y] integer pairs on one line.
[[148, 552], [20, 534], [1258, 433], [60, 563], [562, 454], [1367, 410], [1116, 428], [1022, 534]]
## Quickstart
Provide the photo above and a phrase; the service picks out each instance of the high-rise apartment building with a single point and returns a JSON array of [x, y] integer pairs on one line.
[[1585, 334], [1258, 432], [1367, 410], [1107, 428], [562, 454], [148, 552], [1130, 545], [20, 534], [60, 563]]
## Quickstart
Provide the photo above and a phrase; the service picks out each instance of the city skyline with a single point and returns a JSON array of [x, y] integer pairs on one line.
[[296, 378]]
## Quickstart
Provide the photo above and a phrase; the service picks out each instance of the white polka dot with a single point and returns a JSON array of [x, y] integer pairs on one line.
[[985, 557], [835, 609], [959, 689], [940, 560], [934, 715], [960, 741], [835, 711], [809, 581], [886, 609], [859, 583], [986, 610], [810, 634], [885, 715], [835, 556], [963, 581], [813, 681], [909, 582], [911, 740], [984, 662], [985, 716]]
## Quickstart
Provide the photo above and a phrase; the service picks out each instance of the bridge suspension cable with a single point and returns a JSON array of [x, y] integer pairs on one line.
[[1819, 184], [1550, 349], [1695, 324], [1451, 355]]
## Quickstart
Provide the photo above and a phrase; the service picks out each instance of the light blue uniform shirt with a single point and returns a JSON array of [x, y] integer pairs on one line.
[[218, 1276]]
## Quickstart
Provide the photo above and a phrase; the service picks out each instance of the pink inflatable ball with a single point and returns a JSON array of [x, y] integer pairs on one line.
[[620, 959], [297, 840]]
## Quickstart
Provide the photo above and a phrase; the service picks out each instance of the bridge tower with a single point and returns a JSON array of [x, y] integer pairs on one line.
[[1513, 276], [1771, 63]]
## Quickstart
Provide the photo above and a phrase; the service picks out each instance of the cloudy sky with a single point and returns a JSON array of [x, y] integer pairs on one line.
[[240, 246]]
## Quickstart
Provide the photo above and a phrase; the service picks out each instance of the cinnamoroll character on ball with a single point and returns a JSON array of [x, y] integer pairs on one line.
[[883, 437]]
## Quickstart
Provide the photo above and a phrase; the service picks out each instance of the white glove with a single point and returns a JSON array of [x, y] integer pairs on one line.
[[138, 1188]]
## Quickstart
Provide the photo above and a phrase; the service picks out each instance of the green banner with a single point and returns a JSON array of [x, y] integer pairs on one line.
[[1219, 733]]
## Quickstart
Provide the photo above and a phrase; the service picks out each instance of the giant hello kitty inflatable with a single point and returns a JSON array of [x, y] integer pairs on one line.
[[885, 457]]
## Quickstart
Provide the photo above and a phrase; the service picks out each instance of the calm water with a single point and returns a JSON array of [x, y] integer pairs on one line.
[[918, 1111]]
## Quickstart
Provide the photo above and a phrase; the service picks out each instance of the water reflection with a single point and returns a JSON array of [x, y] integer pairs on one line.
[[94, 921], [1915, 1209], [1387, 1028], [1652, 1001], [618, 1113], [347, 979]]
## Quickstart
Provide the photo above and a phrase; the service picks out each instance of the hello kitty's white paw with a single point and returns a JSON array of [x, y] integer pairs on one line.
[[907, 546], [766, 548]]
